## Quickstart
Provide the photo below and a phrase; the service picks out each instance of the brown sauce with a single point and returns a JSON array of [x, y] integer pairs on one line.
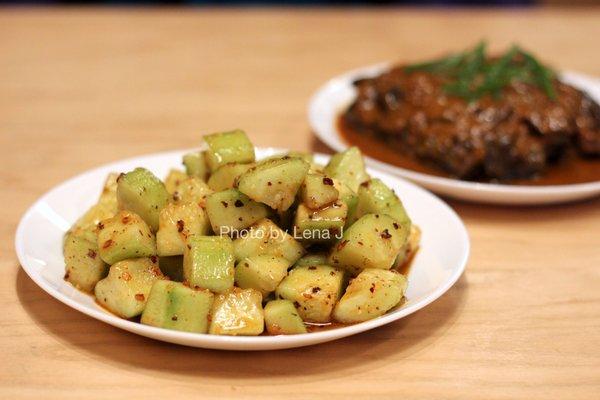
[[570, 169]]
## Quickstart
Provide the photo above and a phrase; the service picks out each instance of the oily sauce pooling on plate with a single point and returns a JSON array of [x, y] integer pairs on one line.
[[501, 119]]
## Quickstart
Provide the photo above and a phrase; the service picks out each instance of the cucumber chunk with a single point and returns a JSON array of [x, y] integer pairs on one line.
[[373, 241], [195, 165], [176, 223], [228, 147], [318, 191], [262, 272], [192, 190], [172, 267], [374, 197], [84, 267], [143, 193], [226, 176], [125, 290], [274, 182], [174, 179], [349, 167], [320, 225], [314, 290], [123, 236], [348, 196], [281, 318], [312, 259], [208, 263], [230, 211], [371, 294], [237, 312], [172, 305], [265, 237]]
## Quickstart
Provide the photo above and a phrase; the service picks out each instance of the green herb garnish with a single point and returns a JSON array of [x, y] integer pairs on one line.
[[472, 74]]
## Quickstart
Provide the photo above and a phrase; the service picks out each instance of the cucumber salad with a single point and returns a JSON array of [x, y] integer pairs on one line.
[[237, 246]]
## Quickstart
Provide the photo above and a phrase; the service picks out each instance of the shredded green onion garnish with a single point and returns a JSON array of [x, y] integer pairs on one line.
[[473, 75]]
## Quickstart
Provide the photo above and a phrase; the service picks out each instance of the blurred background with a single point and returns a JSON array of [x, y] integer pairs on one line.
[[462, 3]]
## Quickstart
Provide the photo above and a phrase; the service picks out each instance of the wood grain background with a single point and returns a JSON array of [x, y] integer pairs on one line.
[[79, 88]]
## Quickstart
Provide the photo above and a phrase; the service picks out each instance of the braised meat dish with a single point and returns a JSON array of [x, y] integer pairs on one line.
[[478, 117]]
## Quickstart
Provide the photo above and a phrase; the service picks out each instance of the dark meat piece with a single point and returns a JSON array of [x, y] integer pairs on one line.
[[512, 137]]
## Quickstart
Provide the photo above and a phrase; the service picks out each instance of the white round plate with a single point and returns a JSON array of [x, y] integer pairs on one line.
[[436, 267], [334, 96]]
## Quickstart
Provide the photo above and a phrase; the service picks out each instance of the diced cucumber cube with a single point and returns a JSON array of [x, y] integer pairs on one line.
[[312, 259], [281, 318], [228, 147], [371, 294], [274, 182], [374, 197], [176, 223], [172, 305], [373, 241], [195, 165], [84, 267], [125, 290], [314, 290], [237, 312], [192, 190], [318, 191], [262, 272], [208, 263], [143, 193], [123, 236], [174, 179], [349, 167], [265, 237], [230, 211]]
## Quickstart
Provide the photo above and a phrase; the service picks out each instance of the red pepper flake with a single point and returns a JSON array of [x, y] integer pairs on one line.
[[67, 275], [372, 288], [100, 225], [269, 183], [180, 225], [365, 184], [225, 204], [341, 245], [107, 244], [395, 225], [296, 304], [327, 181], [91, 254], [238, 203], [386, 234], [306, 295], [154, 259], [140, 297], [125, 219]]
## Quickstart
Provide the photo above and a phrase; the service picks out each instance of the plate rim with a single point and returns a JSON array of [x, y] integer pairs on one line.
[[234, 342], [336, 143]]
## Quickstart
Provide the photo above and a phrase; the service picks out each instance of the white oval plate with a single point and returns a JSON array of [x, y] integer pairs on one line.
[[338, 93], [436, 267]]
